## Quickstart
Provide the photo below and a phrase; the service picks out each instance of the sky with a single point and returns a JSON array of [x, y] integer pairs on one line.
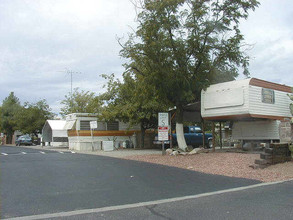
[[42, 41]]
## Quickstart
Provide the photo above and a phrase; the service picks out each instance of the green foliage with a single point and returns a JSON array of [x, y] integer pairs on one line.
[[10, 108], [81, 102], [29, 118], [32, 117], [183, 46], [131, 101]]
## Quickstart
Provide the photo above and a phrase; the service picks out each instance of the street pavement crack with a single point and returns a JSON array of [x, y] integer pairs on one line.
[[151, 208]]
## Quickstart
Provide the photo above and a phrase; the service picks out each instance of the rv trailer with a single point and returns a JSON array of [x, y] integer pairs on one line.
[[255, 107]]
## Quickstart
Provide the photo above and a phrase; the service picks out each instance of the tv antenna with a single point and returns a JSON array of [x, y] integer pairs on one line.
[[71, 72]]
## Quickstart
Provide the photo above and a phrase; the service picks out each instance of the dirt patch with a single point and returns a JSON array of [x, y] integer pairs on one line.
[[226, 164]]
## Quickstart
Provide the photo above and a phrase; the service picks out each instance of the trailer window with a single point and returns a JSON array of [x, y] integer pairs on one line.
[[113, 126], [268, 96], [85, 125]]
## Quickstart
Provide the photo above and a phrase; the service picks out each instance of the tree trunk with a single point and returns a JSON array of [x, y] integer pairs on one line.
[[179, 129], [142, 135], [9, 138]]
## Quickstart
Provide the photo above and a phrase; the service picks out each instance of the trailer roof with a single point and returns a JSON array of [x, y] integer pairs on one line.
[[56, 124], [269, 85]]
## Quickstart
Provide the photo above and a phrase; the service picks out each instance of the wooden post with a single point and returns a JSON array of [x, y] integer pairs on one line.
[[171, 137], [203, 134], [214, 136], [221, 144]]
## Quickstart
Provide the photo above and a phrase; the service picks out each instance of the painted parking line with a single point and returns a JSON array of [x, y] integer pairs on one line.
[[41, 152]]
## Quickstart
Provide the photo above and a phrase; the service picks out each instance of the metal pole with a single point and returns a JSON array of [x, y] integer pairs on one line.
[[203, 134], [92, 140], [214, 137], [170, 129], [71, 83], [221, 144], [163, 148]]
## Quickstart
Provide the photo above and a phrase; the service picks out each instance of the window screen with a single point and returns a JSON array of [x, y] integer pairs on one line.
[[113, 126], [85, 125], [60, 139], [268, 96]]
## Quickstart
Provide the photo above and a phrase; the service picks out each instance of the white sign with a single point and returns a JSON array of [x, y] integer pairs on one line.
[[163, 119], [93, 124], [163, 134], [108, 145]]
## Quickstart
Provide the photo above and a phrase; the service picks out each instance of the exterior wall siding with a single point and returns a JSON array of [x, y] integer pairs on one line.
[[252, 107], [228, 110], [84, 143], [279, 108], [256, 130]]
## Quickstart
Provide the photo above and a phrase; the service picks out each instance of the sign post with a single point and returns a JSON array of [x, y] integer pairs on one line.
[[163, 129], [93, 125]]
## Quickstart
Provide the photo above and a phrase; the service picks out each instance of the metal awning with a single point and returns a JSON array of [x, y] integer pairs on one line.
[[70, 125]]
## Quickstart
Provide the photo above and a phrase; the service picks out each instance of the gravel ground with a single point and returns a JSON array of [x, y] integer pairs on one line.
[[226, 164]]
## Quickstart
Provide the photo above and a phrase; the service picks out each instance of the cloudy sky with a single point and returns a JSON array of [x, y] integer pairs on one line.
[[40, 41]]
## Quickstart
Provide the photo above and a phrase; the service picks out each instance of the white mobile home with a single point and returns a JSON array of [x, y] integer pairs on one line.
[[54, 134], [83, 139], [256, 107]]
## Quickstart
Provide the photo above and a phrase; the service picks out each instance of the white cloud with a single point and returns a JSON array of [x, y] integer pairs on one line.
[[270, 30], [38, 39]]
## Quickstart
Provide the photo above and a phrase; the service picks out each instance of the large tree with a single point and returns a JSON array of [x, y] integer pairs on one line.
[[32, 117], [182, 46], [132, 101], [81, 102], [9, 110]]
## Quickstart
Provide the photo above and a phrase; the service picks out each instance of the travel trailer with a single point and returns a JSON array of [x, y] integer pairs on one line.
[[255, 107]]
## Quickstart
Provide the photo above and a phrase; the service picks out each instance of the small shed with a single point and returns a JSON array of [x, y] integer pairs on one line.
[[54, 134]]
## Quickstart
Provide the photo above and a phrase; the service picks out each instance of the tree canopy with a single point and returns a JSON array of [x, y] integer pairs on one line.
[[28, 118], [182, 46], [10, 108], [132, 101], [32, 117], [81, 102]]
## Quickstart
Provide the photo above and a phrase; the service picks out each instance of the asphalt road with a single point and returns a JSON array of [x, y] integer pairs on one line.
[[262, 203], [35, 183]]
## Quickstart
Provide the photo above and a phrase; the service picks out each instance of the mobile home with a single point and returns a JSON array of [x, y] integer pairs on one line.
[[81, 137]]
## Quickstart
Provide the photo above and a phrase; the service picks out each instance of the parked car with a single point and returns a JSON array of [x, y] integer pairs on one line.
[[193, 136], [23, 140]]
